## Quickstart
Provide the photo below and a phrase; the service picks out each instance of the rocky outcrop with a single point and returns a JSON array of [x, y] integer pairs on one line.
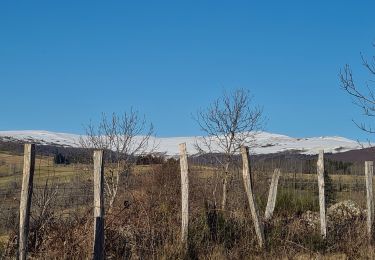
[[344, 211], [337, 214]]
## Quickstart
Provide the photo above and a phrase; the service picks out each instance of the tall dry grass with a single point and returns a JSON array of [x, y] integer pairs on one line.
[[145, 224]]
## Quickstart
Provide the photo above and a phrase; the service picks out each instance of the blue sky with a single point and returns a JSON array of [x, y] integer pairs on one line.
[[63, 63]]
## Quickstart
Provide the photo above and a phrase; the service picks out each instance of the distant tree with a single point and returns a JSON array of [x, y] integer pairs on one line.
[[230, 122], [125, 137], [149, 159], [329, 189], [363, 95], [59, 158], [338, 167]]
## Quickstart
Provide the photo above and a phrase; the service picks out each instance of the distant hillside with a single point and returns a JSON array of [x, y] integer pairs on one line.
[[266, 143], [13, 145], [360, 155]]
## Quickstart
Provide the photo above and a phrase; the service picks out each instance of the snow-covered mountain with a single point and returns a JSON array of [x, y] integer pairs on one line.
[[266, 143]]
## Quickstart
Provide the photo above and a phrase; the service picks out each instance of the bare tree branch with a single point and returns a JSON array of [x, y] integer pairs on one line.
[[363, 97], [228, 123], [126, 136]]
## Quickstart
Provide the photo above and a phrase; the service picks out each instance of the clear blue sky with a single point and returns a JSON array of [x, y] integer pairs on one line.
[[62, 63]]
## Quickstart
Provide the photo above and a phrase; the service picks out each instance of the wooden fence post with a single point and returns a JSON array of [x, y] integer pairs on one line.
[[322, 204], [25, 200], [272, 195], [98, 205], [369, 172], [184, 194], [247, 179]]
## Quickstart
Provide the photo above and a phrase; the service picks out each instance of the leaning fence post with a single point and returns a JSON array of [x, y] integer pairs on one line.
[[322, 204], [247, 179], [184, 194], [272, 195], [25, 201], [369, 172], [98, 205]]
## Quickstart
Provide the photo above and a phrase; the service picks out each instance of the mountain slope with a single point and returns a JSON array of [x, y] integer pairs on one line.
[[266, 143]]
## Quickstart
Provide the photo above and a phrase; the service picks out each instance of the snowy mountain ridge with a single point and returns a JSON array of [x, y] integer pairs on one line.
[[265, 143]]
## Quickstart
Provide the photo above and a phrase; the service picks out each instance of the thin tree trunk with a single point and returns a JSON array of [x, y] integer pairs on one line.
[[215, 188], [225, 187]]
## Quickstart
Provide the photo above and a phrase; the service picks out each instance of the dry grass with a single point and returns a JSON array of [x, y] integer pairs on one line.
[[145, 220]]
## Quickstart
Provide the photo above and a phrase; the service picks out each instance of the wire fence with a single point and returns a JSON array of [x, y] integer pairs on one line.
[[10, 188], [297, 196], [66, 189], [62, 195], [148, 200]]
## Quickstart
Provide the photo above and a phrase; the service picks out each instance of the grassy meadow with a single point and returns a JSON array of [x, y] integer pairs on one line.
[[145, 219]]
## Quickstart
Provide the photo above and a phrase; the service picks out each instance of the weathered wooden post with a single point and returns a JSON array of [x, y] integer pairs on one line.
[[247, 179], [98, 205], [322, 203], [25, 200], [369, 172], [272, 195], [184, 195]]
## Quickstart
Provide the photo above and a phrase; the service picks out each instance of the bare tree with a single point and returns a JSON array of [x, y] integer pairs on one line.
[[229, 122], [125, 137], [363, 96]]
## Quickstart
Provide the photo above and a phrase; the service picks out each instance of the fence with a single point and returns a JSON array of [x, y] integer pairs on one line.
[[52, 195], [287, 185], [67, 202]]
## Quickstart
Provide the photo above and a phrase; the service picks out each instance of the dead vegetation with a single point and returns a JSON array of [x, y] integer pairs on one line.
[[145, 223]]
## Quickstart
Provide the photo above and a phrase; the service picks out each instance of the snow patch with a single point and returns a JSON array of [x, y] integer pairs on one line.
[[266, 143]]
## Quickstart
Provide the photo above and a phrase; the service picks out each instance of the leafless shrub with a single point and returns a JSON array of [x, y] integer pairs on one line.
[[230, 122], [124, 137]]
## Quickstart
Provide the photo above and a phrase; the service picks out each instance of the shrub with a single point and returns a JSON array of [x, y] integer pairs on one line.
[[295, 202]]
